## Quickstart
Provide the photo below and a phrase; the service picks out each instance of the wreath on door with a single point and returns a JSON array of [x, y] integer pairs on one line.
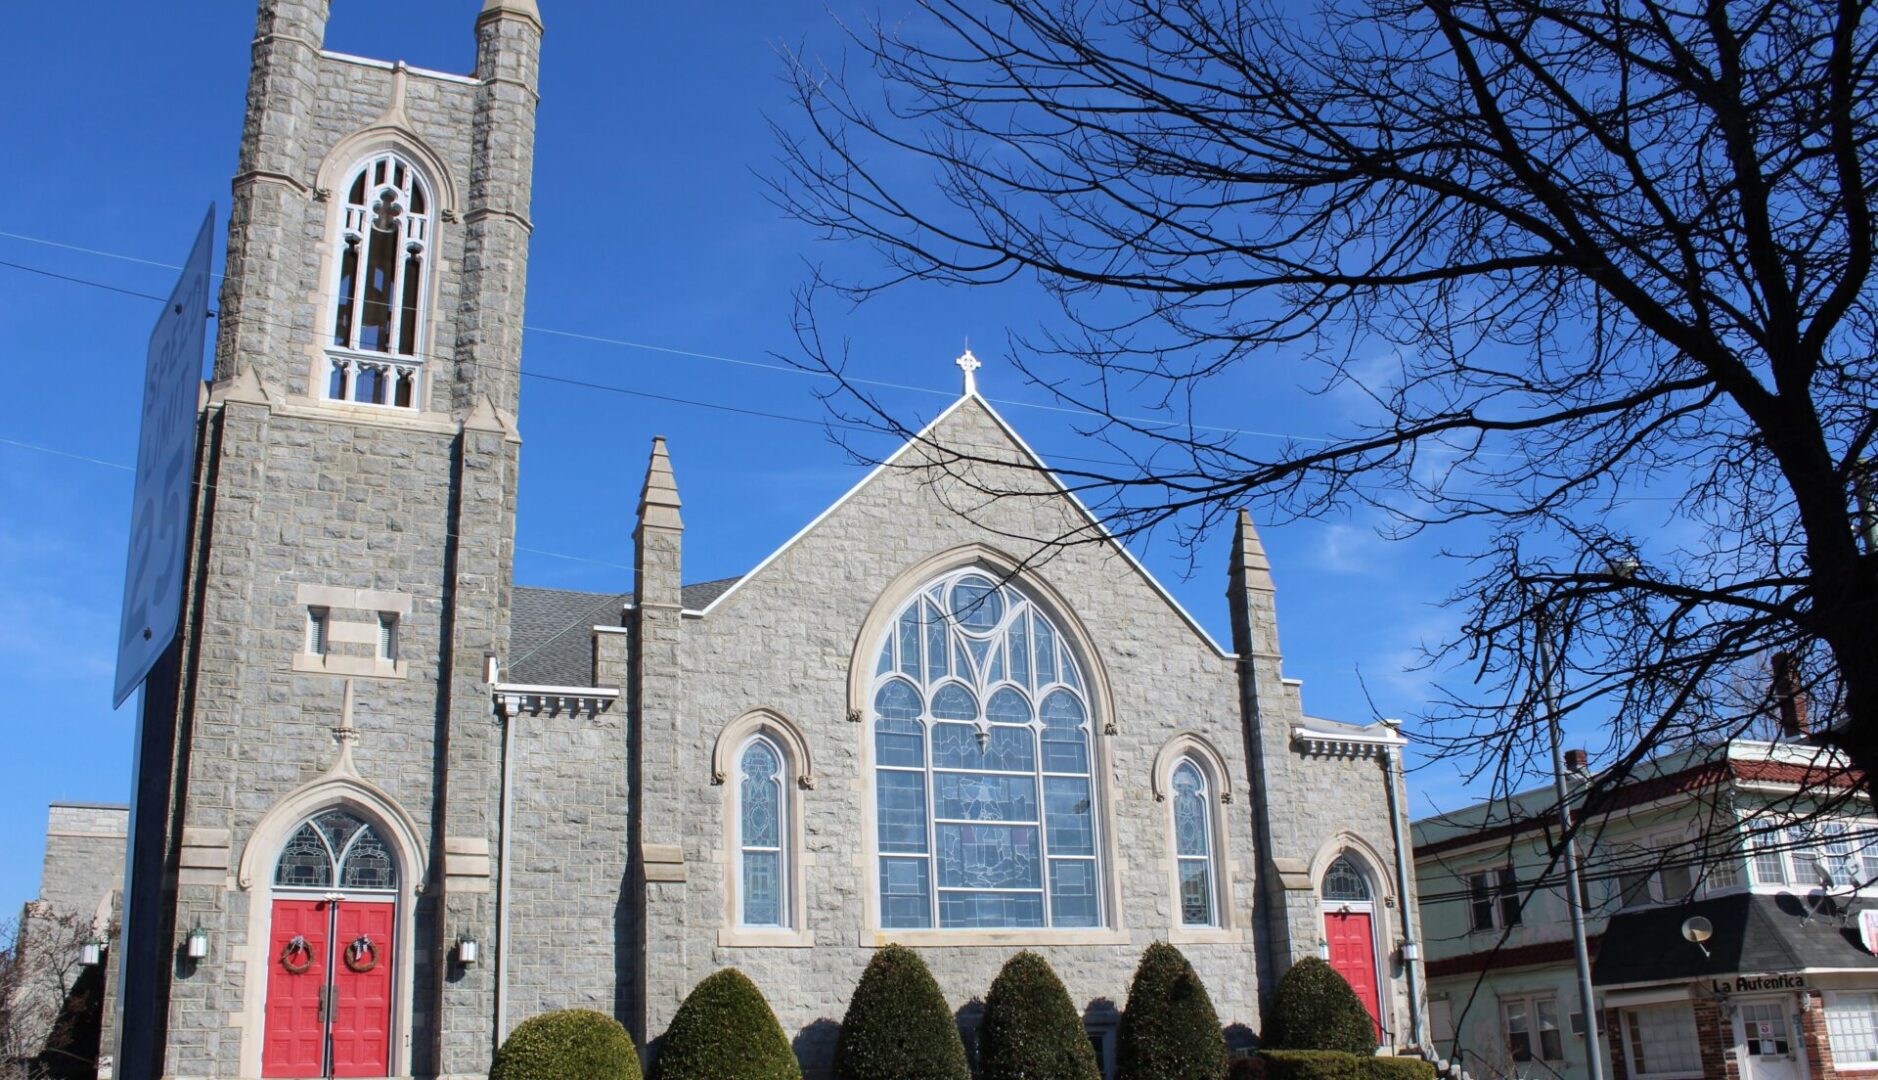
[[361, 955], [296, 956]]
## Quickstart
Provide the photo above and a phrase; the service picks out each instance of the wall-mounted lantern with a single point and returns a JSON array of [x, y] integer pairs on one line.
[[91, 953], [466, 950], [196, 946]]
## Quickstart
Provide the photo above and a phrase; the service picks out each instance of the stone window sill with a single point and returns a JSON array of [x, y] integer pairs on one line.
[[946, 938], [364, 667], [743, 937], [1204, 935]]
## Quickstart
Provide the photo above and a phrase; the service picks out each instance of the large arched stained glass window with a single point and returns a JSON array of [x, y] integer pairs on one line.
[[984, 801], [760, 855], [336, 846]]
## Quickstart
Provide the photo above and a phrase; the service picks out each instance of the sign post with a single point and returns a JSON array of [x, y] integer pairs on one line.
[[154, 573]]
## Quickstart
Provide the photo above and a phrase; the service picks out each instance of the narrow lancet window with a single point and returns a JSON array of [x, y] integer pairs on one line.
[[381, 289]]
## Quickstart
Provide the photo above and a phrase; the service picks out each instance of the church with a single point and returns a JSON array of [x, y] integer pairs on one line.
[[390, 803]]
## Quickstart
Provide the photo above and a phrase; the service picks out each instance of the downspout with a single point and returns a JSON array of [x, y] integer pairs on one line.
[[1411, 949], [507, 707]]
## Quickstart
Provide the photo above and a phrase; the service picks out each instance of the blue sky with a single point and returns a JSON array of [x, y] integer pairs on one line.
[[652, 227]]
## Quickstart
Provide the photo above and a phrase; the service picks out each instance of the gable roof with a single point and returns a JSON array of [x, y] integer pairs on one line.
[[1096, 523]]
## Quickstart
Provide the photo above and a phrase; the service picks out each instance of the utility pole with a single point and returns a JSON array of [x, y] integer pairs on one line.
[[1574, 890]]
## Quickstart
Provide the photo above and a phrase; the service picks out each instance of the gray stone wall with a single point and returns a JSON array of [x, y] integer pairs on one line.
[[300, 492], [784, 641], [84, 860]]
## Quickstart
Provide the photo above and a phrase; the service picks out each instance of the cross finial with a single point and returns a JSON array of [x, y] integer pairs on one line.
[[969, 364]]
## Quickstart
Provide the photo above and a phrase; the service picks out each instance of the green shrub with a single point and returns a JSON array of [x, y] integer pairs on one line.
[[898, 1025], [1031, 1030], [1315, 1009], [1400, 1068], [1169, 1030], [725, 1031], [569, 1043], [1338, 1065]]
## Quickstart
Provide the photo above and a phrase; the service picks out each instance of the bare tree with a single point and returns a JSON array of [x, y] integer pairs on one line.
[[51, 1001], [1613, 246]]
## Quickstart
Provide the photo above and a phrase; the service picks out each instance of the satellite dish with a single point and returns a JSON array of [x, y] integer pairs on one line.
[[1697, 930]]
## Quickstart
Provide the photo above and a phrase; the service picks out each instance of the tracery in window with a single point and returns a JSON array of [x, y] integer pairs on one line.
[[1343, 881], [336, 846], [1193, 845], [761, 873], [984, 799], [379, 298]]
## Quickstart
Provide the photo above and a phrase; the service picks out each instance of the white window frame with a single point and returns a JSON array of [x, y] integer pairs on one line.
[[1835, 1007], [1794, 852], [1502, 890], [785, 907], [415, 236], [1628, 1017], [1210, 838], [1535, 1031]]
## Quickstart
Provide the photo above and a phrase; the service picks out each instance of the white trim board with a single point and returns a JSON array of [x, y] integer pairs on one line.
[[1024, 448]]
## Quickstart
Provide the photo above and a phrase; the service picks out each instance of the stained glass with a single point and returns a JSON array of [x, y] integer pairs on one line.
[[762, 888], [1196, 893], [976, 604], [338, 826], [304, 862], [987, 827], [975, 797], [1343, 881], [1189, 811], [762, 824], [988, 857]]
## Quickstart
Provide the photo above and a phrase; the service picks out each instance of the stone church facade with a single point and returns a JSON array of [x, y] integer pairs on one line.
[[390, 803]]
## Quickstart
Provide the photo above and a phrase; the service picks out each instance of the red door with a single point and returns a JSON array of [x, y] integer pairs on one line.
[[1353, 956], [295, 1044], [362, 989], [329, 989]]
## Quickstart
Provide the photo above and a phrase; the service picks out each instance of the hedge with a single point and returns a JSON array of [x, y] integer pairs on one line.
[[1337, 1065], [725, 1031], [1030, 1029], [1169, 1030], [898, 1025], [572, 1042], [1313, 1008]]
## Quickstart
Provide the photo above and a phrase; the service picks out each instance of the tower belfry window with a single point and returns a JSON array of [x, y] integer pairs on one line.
[[381, 291]]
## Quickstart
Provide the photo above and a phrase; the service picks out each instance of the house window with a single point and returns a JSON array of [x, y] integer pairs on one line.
[[1662, 871], [1493, 898], [762, 870], [1193, 845], [1852, 1028], [387, 636], [317, 619], [1532, 1028], [1662, 1043], [380, 292], [984, 804]]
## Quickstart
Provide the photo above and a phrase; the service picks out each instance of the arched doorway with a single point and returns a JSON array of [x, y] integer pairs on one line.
[[331, 949], [1349, 906]]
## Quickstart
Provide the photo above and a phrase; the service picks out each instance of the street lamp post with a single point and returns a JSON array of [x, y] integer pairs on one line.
[[1574, 894]]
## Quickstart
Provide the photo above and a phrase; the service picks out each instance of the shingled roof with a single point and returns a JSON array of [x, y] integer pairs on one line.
[[550, 643]]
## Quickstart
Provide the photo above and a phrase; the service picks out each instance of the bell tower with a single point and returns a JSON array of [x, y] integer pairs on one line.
[[317, 760]]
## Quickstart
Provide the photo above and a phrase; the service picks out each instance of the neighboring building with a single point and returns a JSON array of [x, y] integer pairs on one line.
[[53, 1000], [1772, 844], [396, 805]]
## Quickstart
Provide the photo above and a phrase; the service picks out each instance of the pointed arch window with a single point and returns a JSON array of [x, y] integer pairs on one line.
[[1193, 845], [382, 288], [336, 849], [984, 802], [1344, 882], [762, 851]]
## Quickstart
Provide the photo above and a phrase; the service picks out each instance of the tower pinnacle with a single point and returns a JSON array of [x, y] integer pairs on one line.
[[969, 364]]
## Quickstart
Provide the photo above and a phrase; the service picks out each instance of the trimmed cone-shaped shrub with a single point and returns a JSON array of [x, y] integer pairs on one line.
[[1031, 1030], [1313, 1008], [725, 1031], [569, 1043], [1169, 1030], [1337, 1065], [898, 1025]]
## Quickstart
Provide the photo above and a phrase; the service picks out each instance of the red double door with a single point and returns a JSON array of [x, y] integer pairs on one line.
[[1353, 956], [329, 989]]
